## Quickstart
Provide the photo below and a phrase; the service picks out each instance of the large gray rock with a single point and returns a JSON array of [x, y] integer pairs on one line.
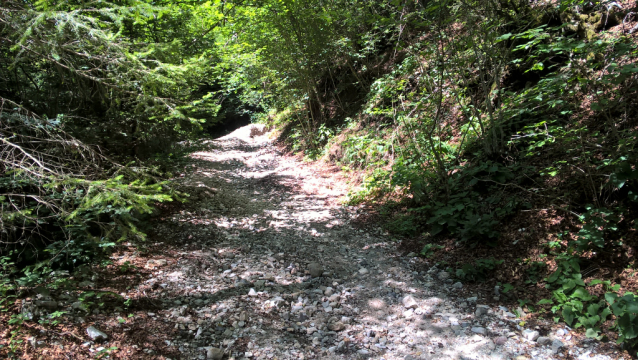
[[214, 353], [530, 335], [95, 334], [543, 340], [315, 269], [481, 310], [557, 344], [478, 330]]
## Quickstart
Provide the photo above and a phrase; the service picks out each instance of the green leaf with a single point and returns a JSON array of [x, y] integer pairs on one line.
[[593, 309], [574, 264], [632, 307], [618, 308], [582, 294], [628, 326], [538, 66], [503, 37], [577, 306], [569, 284], [611, 297], [591, 333], [553, 277], [568, 315], [560, 296]]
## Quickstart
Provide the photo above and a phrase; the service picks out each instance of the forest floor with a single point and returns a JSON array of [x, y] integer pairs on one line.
[[265, 262]]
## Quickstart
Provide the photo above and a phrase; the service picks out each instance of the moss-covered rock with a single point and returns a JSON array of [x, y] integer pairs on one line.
[[570, 20], [586, 30], [587, 25]]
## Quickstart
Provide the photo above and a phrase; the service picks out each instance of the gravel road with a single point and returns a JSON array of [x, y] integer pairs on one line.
[[271, 267]]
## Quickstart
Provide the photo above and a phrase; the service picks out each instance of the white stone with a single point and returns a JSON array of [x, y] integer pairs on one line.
[[530, 335], [95, 334], [409, 302]]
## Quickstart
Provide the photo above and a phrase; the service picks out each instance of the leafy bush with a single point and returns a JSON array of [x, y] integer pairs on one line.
[[62, 202], [87, 76], [625, 309], [475, 207], [579, 308], [403, 225], [534, 271], [597, 226]]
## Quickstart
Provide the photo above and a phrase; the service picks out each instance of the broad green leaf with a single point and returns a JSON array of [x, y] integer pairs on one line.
[[591, 333], [611, 297], [568, 315], [569, 284], [593, 309], [632, 307], [582, 294], [628, 326], [553, 277]]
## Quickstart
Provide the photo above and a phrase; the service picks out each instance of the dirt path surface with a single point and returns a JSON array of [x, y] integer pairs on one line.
[[266, 264]]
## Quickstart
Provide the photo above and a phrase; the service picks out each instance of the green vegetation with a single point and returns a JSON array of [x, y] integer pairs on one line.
[[478, 271], [469, 122], [84, 90]]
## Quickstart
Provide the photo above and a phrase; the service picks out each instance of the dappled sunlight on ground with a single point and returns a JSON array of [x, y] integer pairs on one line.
[[264, 263]]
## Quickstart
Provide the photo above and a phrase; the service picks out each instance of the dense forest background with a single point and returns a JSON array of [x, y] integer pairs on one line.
[[507, 127]]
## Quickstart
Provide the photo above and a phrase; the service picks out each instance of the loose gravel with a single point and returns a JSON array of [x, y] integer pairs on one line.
[[272, 267]]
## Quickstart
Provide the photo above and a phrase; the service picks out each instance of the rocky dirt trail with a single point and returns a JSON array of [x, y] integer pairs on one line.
[[265, 263]]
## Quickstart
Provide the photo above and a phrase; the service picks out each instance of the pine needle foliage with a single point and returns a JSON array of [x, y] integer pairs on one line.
[[81, 86]]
